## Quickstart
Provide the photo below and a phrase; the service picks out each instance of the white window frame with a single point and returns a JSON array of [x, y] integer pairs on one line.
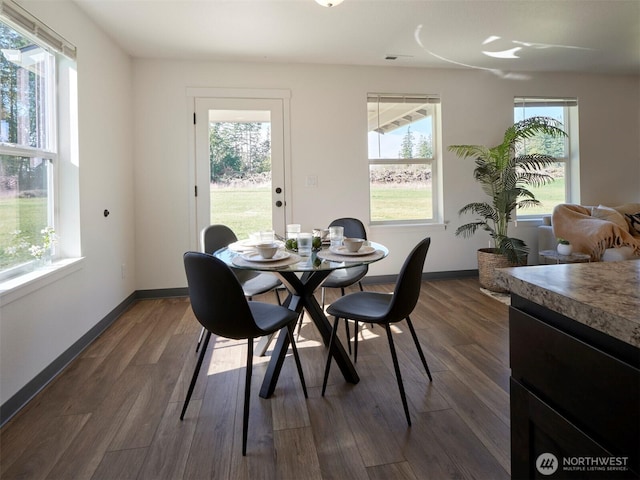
[[433, 161], [571, 160], [62, 151]]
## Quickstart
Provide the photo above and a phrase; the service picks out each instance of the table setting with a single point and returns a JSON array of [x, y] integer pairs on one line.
[[267, 251]]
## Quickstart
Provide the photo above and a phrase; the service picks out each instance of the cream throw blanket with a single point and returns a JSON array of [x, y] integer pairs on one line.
[[588, 234]]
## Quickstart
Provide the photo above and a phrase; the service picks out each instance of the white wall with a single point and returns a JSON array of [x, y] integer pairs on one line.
[[37, 328], [328, 139]]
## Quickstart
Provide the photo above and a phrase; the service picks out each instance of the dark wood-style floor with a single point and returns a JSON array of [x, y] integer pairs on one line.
[[114, 412]]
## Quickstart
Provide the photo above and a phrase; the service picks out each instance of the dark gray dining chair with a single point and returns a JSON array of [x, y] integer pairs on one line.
[[219, 304], [217, 236], [385, 309], [345, 277]]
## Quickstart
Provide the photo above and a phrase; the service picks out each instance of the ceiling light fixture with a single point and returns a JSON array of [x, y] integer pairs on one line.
[[329, 3]]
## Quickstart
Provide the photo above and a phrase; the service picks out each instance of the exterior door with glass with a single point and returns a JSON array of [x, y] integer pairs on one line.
[[240, 151]]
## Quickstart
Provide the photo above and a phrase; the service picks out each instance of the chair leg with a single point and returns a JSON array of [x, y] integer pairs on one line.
[[415, 339], [277, 296], [195, 373], [247, 396], [297, 359], [328, 364], [396, 367], [346, 328], [355, 343], [300, 324], [200, 339]]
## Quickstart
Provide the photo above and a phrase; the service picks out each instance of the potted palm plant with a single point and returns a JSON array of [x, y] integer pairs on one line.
[[506, 173]]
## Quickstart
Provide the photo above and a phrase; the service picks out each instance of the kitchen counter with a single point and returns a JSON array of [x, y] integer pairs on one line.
[[602, 295], [574, 353]]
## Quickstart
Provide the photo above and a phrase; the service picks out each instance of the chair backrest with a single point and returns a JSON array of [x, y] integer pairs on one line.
[[215, 237], [217, 299], [407, 290], [352, 227]]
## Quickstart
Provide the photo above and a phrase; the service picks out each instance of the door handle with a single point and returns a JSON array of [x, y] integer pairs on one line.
[[278, 203]]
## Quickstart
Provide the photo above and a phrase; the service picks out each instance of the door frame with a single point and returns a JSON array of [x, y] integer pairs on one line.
[[194, 93]]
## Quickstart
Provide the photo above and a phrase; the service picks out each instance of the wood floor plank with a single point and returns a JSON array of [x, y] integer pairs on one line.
[[487, 363], [44, 450], [88, 448], [462, 446], [112, 336], [215, 427], [108, 372], [146, 413], [492, 432], [288, 404], [297, 455], [261, 463], [336, 447], [366, 419], [427, 457], [167, 455], [396, 471], [121, 464], [496, 399]]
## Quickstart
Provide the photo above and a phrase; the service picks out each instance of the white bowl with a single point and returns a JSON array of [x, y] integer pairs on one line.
[[267, 250], [323, 233], [353, 244]]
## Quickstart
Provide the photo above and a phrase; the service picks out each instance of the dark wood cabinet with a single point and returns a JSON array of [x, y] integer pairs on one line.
[[575, 394]]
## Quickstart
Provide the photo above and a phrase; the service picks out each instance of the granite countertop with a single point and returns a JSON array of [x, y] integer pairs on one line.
[[602, 295]]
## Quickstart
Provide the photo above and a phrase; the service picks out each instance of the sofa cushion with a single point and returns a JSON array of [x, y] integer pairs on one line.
[[611, 215]]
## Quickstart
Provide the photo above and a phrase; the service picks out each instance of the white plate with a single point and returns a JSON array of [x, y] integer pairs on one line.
[[247, 245], [255, 256], [342, 250]]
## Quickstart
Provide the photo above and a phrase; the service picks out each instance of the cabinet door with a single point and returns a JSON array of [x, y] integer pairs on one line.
[[595, 391], [538, 429]]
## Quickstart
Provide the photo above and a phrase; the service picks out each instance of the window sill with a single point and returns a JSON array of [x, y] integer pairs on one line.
[[18, 287]]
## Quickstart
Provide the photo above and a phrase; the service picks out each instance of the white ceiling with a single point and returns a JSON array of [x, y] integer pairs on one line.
[[549, 35]]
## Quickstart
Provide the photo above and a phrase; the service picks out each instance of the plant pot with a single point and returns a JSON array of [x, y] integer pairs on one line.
[[565, 249], [488, 260]]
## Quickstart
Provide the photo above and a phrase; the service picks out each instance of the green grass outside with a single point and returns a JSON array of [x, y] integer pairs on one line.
[[400, 202], [247, 210], [549, 195], [29, 215], [244, 210]]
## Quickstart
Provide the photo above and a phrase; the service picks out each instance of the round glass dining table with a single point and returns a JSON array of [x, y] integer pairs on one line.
[[302, 276]]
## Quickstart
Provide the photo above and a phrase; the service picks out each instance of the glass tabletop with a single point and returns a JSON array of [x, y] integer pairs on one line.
[[326, 258]]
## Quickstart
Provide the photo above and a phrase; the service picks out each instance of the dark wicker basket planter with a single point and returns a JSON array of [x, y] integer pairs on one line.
[[488, 261]]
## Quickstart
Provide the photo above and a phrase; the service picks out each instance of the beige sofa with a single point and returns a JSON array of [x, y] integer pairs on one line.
[[606, 233]]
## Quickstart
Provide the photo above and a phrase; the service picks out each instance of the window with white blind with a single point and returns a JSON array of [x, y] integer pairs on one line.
[[403, 158], [35, 98], [563, 188]]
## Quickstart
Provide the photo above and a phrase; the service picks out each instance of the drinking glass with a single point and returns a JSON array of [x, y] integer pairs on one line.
[[304, 244], [267, 236], [293, 230], [336, 235]]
